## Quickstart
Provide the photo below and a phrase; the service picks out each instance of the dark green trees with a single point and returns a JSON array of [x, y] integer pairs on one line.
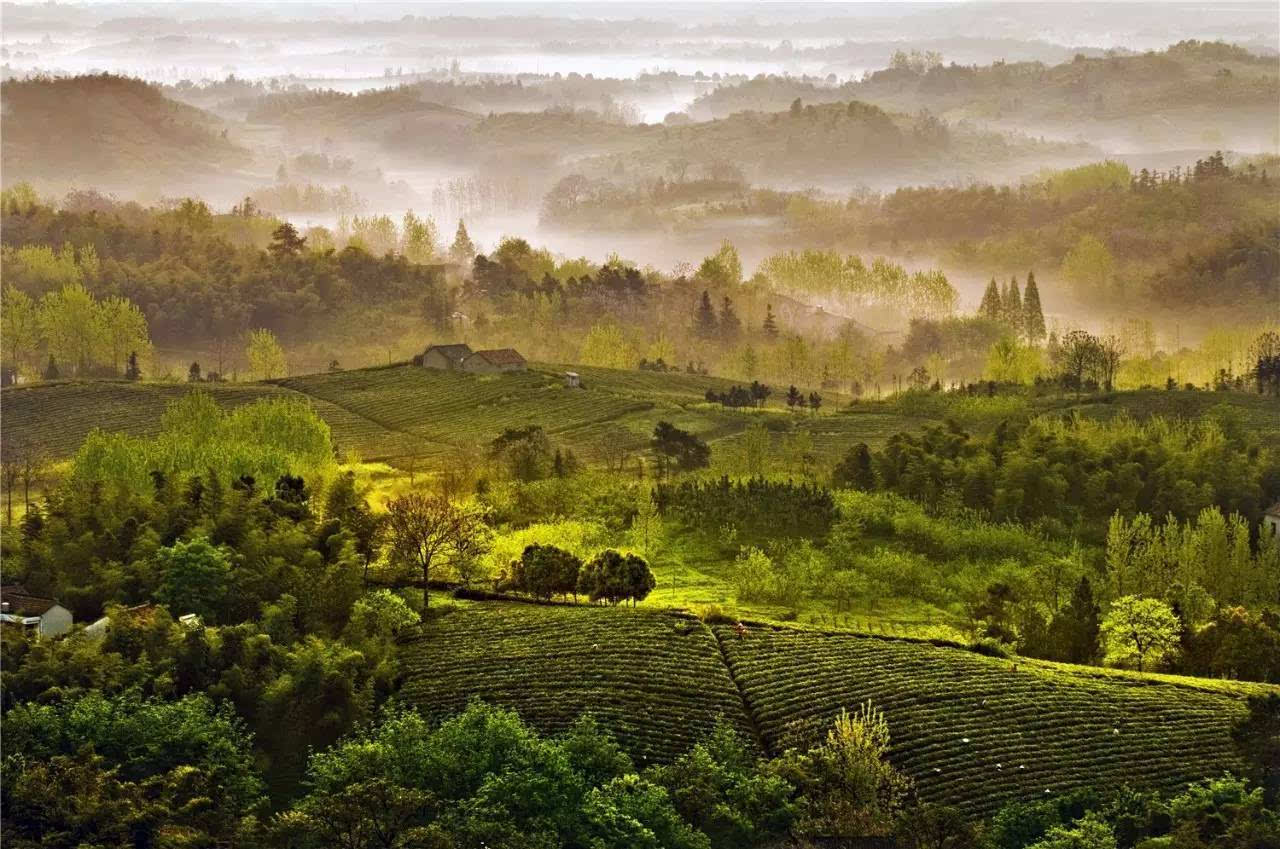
[[678, 449], [614, 577], [545, 570], [1032, 313], [855, 471]]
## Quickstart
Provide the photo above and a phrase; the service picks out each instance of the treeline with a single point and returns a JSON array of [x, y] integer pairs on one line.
[[785, 508]]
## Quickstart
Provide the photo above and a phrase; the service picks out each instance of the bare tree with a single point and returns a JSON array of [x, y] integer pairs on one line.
[[1110, 350], [10, 473], [1078, 355], [424, 529]]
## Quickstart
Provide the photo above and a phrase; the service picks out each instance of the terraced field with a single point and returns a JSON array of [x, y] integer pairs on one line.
[[655, 678], [977, 732]]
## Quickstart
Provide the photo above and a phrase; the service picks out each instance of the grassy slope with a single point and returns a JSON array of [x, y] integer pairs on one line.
[[1040, 727]]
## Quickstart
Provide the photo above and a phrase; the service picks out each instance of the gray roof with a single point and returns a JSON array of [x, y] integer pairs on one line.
[[458, 351]]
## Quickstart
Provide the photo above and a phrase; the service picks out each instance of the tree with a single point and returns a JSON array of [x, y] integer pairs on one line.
[[1079, 353], [1257, 738], [854, 791], [1012, 307], [193, 373], [418, 238], [990, 306], [770, 325], [266, 357], [1075, 630], [1033, 315], [855, 470], [285, 241], [704, 318], [1110, 351], [815, 401], [194, 578], [1089, 267], [929, 826], [679, 448], [544, 570], [426, 528], [19, 328], [1137, 628], [730, 324], [794, 397], [71, 326], [463, 250], [614, 577], [133, 371]]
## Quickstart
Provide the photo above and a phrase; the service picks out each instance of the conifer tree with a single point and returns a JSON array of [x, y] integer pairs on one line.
[[704, 320], [1032, 314], [990, 307], [770, 325], [463, 250], [1013, 307], [730, 324]]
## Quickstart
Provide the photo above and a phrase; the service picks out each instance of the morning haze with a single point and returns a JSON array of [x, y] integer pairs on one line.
[[599, 425]]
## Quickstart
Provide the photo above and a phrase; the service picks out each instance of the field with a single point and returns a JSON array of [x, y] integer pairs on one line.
[[976, 732], [973, 731], [655, 678]]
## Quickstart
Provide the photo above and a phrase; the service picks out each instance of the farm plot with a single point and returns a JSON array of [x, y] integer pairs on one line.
[[976, 732], [655, 679]]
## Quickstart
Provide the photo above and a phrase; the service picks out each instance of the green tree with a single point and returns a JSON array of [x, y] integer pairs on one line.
[[990, 306], [285, 241], [1012, 313], [730, 324], [1140, 628], [1033, 314], [704, 318], [266, 357], [418, 238], [1089, 832], [463, 250], [855, 470], [770, 325], [1089, 267], [194, 578], [71, 325], [20, 328]]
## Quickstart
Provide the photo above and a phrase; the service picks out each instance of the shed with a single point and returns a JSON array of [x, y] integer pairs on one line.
[[34, 614], [572, 380]]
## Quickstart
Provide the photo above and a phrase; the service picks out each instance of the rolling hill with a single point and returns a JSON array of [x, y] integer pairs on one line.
[[973, 731], [109, 132]]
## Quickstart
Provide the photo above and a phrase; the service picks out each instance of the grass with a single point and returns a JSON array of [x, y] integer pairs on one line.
[[977, 732], [655, 678]]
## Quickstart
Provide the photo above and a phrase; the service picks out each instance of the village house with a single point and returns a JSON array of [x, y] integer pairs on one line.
[[1271, 520], [489, 362], [446, 357], [34, 614]]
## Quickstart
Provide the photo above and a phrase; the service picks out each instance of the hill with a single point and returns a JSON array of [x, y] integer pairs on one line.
[[972, 731], [109, 132]]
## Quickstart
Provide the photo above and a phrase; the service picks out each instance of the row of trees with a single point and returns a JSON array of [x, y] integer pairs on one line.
[[546, 570], [1021, 313], [68, 332]]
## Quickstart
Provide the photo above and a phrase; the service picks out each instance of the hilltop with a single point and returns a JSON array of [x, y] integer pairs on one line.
[[111, 132]]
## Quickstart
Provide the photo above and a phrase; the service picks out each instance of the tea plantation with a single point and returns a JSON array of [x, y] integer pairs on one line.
[[655, 678], [973, 731], [976, 731]]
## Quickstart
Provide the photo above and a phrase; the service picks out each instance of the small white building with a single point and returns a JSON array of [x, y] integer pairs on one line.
[[572, 380], [43, 617], [1271, 520]]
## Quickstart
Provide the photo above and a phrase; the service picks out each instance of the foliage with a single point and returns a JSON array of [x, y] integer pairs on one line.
[[1138, 628]]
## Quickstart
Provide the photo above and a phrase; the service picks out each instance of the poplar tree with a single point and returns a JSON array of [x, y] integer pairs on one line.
[[1013, 307], [990, 307]]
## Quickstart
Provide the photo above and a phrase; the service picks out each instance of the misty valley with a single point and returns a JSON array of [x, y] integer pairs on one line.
[[610, 425]]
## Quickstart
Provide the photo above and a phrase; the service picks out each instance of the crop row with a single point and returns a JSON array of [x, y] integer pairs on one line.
[[976, 731], [654, 679]]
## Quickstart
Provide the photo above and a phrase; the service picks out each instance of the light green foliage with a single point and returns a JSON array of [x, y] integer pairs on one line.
[[266, 357], [418, 239], [20, 328], [1084, 179], [1089, 267], [605, 346], [924, 294], [1087, 833], [579, 537], [40, 269], [71, 326], [380, 615], [1011, 362], [1138, 629], [264, 439]]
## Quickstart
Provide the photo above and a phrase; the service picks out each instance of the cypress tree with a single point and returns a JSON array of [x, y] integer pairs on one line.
[[730, 324], [990, 307], [1013, 307], [1033, 315]]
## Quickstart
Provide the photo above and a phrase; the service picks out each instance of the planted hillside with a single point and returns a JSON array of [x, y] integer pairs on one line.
[[655, 679], [976, 732]]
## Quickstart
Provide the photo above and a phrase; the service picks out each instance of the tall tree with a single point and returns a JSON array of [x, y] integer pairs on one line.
[[1013, 315], [285, 241], [266, 357], [1140, 628], [423, 529], [770, 325], [19, 328], [463, 250], [124, 329], [704, 318], [1032, 313], [730, 324], [990, 306]]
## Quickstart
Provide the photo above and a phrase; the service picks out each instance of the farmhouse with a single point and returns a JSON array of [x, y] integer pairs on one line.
[[33, 614], [448, 357], [500, 359], [1271, 520]]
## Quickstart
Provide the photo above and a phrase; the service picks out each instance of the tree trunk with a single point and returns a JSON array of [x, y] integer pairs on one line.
[[426, 587]]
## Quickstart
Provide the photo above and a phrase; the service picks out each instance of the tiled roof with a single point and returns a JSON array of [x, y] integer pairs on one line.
[[456, 351], [502, 356]]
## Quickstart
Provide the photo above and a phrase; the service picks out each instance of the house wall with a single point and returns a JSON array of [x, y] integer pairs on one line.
[[1271, 524], [435, 359], [55, 621], [479, 365]]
